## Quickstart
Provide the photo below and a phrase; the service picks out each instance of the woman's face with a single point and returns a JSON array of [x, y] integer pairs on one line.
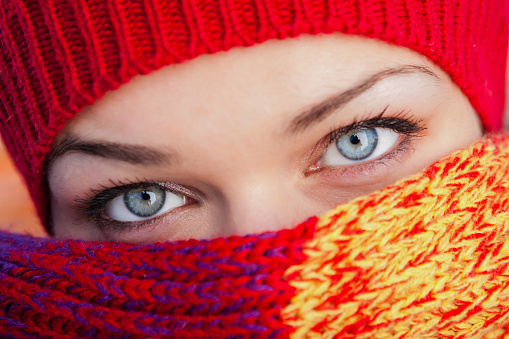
[[251, 140]]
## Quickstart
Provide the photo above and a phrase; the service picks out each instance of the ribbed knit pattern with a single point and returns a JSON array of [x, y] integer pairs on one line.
[[57, 56], [425, 258]]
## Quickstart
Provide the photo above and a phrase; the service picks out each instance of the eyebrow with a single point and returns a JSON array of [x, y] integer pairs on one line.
[[322, 110], [143, 155], [133, 154]]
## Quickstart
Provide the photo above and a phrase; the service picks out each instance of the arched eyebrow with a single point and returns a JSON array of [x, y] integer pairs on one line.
[[143, 155], [133, 154], [322, 110]]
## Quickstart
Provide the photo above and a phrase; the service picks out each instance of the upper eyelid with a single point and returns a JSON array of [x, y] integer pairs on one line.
[[366, 123], [120, 188], [106, 194], [319, 112], [413, 126]]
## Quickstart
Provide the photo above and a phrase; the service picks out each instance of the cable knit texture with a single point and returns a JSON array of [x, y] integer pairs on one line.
[[425, 258], [57, 56]]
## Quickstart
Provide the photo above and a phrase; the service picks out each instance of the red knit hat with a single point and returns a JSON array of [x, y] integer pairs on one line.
[[56, 56]]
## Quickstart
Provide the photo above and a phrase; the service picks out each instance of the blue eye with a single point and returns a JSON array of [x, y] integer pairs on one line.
[[359, 145], [142, 203]]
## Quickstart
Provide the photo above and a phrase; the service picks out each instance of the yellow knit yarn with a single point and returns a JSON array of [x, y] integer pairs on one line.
[[425, 258]]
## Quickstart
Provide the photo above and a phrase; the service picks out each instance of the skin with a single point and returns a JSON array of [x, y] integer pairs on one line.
[[224, 121]]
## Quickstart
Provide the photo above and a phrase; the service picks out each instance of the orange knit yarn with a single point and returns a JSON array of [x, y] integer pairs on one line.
[[425, 258]]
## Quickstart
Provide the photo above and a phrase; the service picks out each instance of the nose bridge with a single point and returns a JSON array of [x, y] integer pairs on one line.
[[256, 191], [260, 203]]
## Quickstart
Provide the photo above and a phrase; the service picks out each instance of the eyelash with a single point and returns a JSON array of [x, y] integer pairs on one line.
[[92, 205], [403, 123]]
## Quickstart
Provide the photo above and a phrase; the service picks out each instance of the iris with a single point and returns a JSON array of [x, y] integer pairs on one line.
[[358, 144], [145, 201]]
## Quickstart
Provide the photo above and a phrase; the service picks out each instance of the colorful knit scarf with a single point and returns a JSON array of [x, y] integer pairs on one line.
[[425, 258]]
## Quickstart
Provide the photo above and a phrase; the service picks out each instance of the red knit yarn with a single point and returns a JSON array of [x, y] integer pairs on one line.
[[56, 56]]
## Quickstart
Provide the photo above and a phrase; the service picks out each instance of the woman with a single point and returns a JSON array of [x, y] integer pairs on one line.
[[215, 141]]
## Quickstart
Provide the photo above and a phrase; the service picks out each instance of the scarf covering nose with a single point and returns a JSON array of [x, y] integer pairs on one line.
[[425, 258]]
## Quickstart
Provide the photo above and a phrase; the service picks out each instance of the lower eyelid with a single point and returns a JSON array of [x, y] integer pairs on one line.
[[368, 168], [171, 217]]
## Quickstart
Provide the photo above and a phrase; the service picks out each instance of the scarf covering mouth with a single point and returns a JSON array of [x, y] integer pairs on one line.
[[424, 258]]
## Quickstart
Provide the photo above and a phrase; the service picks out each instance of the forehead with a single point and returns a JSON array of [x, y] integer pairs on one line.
[[242, 89]]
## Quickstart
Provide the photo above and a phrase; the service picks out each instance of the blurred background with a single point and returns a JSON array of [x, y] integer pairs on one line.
[[16, 211]]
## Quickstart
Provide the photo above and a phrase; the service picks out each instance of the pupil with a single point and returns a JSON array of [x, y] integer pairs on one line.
[[354, 139], [145, 196]]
